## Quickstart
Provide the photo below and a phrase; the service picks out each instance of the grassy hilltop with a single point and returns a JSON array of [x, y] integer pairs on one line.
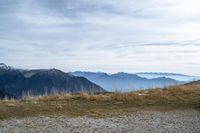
[[103, 105]]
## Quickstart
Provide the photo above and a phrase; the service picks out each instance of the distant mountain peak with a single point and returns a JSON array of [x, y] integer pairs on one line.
[[47, 73], [176, 76], [16, 82], [162, 73], [88, 74], [4, 66], [54, 71], [123, 74]]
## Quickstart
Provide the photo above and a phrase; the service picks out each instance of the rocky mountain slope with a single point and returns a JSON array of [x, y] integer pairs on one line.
[[16, 82]]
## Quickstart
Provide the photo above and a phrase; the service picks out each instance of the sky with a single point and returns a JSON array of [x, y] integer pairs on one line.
[[101, 35]]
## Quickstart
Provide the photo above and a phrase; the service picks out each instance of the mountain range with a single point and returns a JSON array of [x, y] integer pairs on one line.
[[15, 82], [176, 76], [125, 81]]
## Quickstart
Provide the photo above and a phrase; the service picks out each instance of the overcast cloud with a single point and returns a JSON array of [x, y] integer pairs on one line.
[[101, 35]]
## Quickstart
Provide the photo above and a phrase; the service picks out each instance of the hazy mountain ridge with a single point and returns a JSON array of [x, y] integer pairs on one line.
[[16, 82], [176, 76], [4, 66], [125, 81]]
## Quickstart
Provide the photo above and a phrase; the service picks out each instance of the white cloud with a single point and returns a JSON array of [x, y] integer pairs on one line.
[[99, 35]]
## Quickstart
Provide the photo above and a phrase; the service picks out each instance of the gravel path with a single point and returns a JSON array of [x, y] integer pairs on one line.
[[187, 121]]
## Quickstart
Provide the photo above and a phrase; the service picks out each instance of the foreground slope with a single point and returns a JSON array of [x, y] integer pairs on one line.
[[193, 83], [100, 105], [172, 109]]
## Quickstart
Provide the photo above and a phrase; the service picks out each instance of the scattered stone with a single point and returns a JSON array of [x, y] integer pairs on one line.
[[179, 121]]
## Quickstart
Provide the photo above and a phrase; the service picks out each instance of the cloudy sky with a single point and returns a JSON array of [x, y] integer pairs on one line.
[[101, 35]]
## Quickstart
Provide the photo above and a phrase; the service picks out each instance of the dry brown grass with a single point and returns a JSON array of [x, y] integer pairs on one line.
[[172, 93], [175, 97]]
